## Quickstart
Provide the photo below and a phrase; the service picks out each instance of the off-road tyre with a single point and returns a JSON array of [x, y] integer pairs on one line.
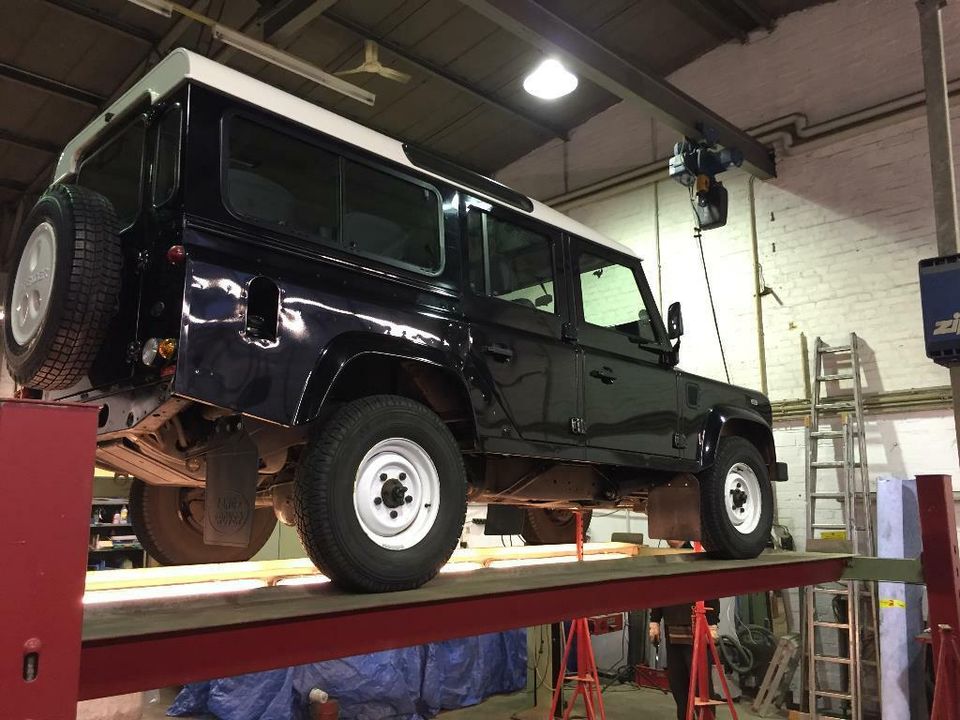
[[542, 526], [85, 291], [159, 519], [720, 536], [328, 478]]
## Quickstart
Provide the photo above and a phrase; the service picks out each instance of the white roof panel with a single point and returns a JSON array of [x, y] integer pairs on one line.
[[182, 65]]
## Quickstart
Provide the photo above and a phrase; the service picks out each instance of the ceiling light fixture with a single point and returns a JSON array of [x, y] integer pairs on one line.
[[291, 63], [267, 53], [161, 7], [550, 80]]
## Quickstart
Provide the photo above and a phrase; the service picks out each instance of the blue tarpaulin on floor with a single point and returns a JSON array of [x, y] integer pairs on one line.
[[407, 684]]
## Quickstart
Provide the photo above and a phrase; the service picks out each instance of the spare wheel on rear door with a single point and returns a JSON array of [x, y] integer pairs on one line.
[[64, 289]]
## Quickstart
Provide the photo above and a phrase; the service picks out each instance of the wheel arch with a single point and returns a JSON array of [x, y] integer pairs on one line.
[[727, 420], [359, 366]]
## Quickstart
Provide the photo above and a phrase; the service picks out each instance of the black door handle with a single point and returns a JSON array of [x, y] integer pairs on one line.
[[604, 375], [500, 353]]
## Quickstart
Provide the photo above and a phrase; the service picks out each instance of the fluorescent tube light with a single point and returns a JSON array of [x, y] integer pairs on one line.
[[291, 63], [161, 7]]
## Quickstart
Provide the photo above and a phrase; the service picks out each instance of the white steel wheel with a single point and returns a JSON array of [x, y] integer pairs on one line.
[[736, 501], [33, 283], [742, 495], [396, 493], [64, 290], [380, 495]]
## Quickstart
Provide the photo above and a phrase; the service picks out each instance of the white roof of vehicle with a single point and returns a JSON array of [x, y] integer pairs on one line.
[[182, 64]]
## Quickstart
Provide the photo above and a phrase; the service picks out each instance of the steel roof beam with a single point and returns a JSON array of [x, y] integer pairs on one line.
[[532, 22], [750, 9], [12, 185], [286, 19], [438, 72], [85, 11], [714, 20], [50, 85], [29, 142]]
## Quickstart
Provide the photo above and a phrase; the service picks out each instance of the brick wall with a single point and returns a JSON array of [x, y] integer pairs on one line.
[[839, 231]]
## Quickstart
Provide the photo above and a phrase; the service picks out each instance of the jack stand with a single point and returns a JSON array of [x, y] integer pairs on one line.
[[947, 670], [699, 702], [586, 677]]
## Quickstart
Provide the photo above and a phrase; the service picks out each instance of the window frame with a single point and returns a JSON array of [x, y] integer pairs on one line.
[[138, 118], [226, 121], [343, 154], [549, 233], [178, 106], [580, 246], [441, 236]]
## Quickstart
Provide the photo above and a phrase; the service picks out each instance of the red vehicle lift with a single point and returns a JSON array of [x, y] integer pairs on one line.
[[53, 651]]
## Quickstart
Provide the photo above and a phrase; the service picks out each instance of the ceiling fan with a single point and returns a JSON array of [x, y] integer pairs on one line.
[[371, 64]]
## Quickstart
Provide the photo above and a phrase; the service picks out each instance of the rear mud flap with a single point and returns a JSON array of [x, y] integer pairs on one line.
[[231, 491], [673, 510]]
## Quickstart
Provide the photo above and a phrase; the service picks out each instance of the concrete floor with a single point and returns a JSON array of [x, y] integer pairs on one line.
[[621, 702]]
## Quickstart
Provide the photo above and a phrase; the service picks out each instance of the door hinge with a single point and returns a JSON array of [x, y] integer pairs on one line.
[[679, 441], [578, 426]]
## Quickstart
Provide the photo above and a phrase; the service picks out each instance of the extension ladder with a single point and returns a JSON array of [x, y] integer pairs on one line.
[[839, 507]]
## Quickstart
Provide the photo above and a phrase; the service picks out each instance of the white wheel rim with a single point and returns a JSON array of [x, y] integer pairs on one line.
[[33, 284], [396, 519], [742, 499]]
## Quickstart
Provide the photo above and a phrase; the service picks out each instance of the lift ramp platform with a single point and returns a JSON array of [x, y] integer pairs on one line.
[[168, 640], [65, 638]]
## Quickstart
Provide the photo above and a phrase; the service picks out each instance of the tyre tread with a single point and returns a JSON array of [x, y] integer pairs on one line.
[[92, 293], [310, 498]]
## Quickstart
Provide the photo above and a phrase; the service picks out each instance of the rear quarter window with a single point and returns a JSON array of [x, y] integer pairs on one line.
[[115, 170], [275, 179], [391, 218]]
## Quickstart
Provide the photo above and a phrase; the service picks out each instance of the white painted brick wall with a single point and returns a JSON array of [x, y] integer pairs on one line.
[[840, 230]]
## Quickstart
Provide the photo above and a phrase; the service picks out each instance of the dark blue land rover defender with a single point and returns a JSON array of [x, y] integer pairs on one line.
[[284, 314]]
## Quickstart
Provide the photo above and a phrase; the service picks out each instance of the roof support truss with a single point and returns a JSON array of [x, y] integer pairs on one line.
[[50, 85], [531, 21], [84, 10]]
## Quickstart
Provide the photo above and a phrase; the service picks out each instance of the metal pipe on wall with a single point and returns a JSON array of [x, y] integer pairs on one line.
[[757, 282], [941, 148]]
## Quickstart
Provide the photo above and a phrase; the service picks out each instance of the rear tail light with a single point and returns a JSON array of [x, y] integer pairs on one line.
[[176, 254]]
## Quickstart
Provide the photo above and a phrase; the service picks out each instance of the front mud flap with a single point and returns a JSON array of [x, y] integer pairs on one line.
[[231, 493], [673, 510]]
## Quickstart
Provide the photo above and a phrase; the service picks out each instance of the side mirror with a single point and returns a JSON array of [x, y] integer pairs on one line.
[[674, 321]]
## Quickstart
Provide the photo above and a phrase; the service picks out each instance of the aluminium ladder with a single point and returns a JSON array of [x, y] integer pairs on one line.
[[839, 507]]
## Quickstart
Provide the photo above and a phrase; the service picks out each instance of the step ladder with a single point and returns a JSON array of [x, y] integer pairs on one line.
[[841, 641]]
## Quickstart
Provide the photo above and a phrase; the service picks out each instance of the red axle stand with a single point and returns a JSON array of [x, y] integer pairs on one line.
[[699, 702], [947, 670], [586, 677]]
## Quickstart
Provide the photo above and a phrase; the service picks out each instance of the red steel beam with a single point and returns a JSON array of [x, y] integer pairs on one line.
[[140, 662], [46, 461], [941, 564]]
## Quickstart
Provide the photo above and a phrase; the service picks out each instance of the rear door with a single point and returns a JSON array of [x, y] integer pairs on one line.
[[630, 392], [517, 315]]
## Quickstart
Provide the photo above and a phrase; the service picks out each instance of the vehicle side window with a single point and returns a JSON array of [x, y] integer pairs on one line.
[[166, 160], [510, 262], [611, 297], [115, 171], [388, 217], [276, 179]]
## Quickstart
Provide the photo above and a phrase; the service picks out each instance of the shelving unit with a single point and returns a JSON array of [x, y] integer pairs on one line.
[[108, 558]]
